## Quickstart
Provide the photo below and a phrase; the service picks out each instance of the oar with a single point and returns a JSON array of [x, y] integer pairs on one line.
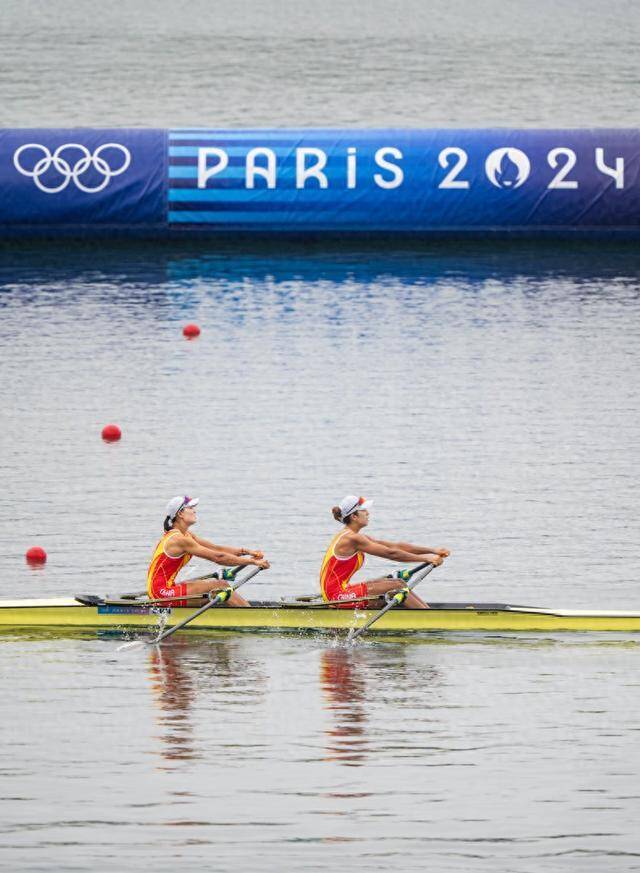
[[220, 597], [227, 574], [405, 575], [396, 599]]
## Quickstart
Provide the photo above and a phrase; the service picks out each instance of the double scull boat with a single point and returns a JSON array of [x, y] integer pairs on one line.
[[126, 614]]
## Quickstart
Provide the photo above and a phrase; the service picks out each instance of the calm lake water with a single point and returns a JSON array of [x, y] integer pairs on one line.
[[297, 63], [485, 396], [244, 752]]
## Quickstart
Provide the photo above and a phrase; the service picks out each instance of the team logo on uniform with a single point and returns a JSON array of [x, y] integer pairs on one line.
[[71, 162], [507, 168]]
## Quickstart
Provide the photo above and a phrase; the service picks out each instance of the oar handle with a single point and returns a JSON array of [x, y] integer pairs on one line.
[[417, 569], [225, 593], [227, 574], [405, 575]]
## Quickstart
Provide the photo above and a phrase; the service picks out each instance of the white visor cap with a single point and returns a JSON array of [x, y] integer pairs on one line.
[[350, 504], [176, 504]]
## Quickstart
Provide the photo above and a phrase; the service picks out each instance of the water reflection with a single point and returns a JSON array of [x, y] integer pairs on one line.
[[357, 683], [345, 690], [188, 675], [174, 694], [148, 266]]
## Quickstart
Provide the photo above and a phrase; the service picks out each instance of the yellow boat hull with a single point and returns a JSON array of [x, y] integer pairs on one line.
[[67, 613]]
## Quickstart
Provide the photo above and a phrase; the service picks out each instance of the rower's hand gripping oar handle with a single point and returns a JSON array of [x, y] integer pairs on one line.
[[405, 575], [215, 600], [227, 574]]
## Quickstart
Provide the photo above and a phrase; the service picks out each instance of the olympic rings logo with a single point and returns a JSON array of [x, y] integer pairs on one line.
[[71, 171]]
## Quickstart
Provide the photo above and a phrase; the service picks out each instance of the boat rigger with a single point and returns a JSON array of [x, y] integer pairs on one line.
[[126, 614]]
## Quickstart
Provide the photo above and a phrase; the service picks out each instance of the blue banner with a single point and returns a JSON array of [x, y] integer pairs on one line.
[[82, 178], [187, 182]]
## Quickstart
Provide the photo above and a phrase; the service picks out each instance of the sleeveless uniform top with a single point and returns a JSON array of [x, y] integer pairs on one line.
[[336, 571], [163, 568]]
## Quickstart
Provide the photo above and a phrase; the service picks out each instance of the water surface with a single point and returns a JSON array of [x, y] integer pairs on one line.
[[240, 63], [484, 396], [484, 752]]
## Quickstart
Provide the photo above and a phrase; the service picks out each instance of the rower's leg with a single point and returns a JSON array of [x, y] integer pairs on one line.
[[237, 600], [204, 586], [381, 586], [415, 602]]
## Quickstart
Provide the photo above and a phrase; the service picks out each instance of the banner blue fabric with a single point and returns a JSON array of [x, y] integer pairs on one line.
[[82, 178], [187, 182]]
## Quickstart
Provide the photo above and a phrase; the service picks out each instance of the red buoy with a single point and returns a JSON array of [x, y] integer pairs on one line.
[[191, 331], [36, 556], [111, 433]]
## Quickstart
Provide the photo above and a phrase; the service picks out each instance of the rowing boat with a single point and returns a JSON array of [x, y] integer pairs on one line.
[[125, 615]]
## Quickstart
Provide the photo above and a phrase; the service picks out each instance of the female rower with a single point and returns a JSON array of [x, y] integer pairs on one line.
[[346, 552], [176, 548]]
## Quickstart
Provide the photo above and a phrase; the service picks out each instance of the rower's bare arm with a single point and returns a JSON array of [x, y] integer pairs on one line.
[[216, 546], [392, 551], [208, 544], [415, 550], [225, 559], [218, 556], [232, 550], [432, 550]]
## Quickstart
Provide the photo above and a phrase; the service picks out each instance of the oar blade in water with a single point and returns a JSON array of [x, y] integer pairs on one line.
[[132, 645]]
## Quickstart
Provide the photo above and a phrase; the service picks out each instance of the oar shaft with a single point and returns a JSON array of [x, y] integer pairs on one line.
[[373, 620], [190, 618], [418, 576], [419, 568], [215, 601], [219, 574]]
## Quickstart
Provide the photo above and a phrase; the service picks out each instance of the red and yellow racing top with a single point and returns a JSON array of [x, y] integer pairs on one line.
[[336, 572], [164, 568]]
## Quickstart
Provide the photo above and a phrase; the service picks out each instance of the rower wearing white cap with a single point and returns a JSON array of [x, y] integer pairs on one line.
[[176, 548], [346, 552]]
